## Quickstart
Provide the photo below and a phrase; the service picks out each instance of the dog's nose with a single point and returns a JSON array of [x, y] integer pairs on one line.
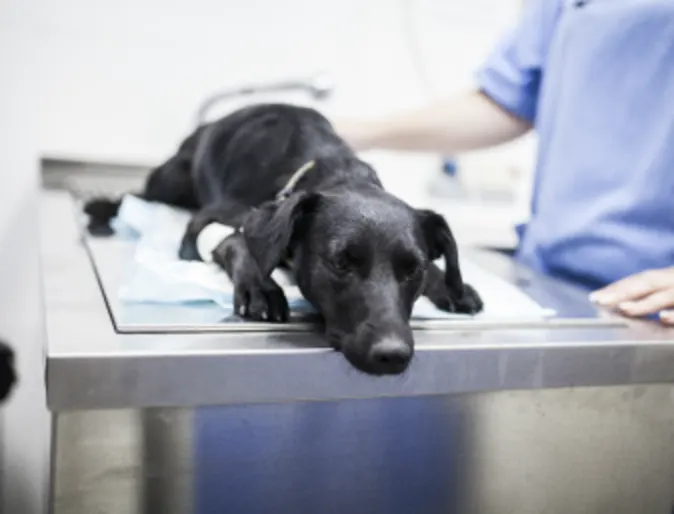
[[390, 356]]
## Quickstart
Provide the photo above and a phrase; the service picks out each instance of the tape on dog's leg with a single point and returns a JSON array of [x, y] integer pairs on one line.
[[210, 237]]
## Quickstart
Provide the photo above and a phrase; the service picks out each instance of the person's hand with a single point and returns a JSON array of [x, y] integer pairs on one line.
[[643, 294]]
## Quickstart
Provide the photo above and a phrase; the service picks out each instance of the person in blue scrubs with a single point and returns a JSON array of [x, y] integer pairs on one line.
[[595, 80]]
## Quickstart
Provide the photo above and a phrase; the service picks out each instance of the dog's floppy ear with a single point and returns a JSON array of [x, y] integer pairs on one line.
[[269, 230], [441, 243]]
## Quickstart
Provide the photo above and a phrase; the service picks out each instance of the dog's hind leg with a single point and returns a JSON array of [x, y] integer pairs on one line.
[[255, 296], [170, 183]]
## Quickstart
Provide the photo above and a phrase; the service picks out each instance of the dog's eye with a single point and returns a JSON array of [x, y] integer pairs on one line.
[[344, 262], [341, 264], [340, 267], [409, 268]]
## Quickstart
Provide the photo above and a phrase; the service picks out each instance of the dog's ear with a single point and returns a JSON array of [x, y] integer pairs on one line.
[[440, 242], [269, 230]]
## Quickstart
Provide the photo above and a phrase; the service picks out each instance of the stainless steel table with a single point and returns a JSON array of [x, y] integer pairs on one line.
[[573, 414]]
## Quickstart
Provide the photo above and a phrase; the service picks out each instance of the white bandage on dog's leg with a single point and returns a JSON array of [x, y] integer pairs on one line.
[[210, 237]]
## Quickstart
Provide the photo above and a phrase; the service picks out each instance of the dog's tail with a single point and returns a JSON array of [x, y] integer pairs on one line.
[[101, 211]]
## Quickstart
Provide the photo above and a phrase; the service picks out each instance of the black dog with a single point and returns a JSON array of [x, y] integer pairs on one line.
[[360, 255], [7, 372]]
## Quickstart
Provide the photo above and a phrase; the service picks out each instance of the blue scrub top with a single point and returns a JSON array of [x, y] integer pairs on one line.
[[596, 79]]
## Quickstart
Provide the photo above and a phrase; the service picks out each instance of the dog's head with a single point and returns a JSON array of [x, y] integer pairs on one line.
[[361, 258]]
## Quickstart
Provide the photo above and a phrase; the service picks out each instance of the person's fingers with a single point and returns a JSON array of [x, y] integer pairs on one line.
[[632, 288], [667, 317], [651, 304]]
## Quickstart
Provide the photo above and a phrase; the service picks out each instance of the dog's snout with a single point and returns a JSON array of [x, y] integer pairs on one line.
[[390, 356]]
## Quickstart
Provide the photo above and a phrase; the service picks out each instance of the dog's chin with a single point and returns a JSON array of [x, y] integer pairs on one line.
[[344, 344], [335, 338], [358, 355]]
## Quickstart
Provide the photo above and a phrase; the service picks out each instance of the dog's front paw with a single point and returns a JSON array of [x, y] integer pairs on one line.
[[260, 300], [470, 302]]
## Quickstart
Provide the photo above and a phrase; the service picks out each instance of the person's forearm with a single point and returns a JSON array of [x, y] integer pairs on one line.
[[466, 122]]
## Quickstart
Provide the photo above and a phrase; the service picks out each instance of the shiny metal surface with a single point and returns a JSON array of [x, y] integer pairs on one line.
[[113, 261], [90, 365], [580, 451]]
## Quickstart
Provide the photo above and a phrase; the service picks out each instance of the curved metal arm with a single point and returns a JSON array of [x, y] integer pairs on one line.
[[319, 87]]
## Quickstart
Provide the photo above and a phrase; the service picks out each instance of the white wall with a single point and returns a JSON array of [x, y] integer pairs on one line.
[[24, 422], [121, 80]]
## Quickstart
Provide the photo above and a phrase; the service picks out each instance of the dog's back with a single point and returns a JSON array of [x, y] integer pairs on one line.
[[247, 157], [252, 154]]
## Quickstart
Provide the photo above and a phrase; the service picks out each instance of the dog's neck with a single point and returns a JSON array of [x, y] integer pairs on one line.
[[336, 172]]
